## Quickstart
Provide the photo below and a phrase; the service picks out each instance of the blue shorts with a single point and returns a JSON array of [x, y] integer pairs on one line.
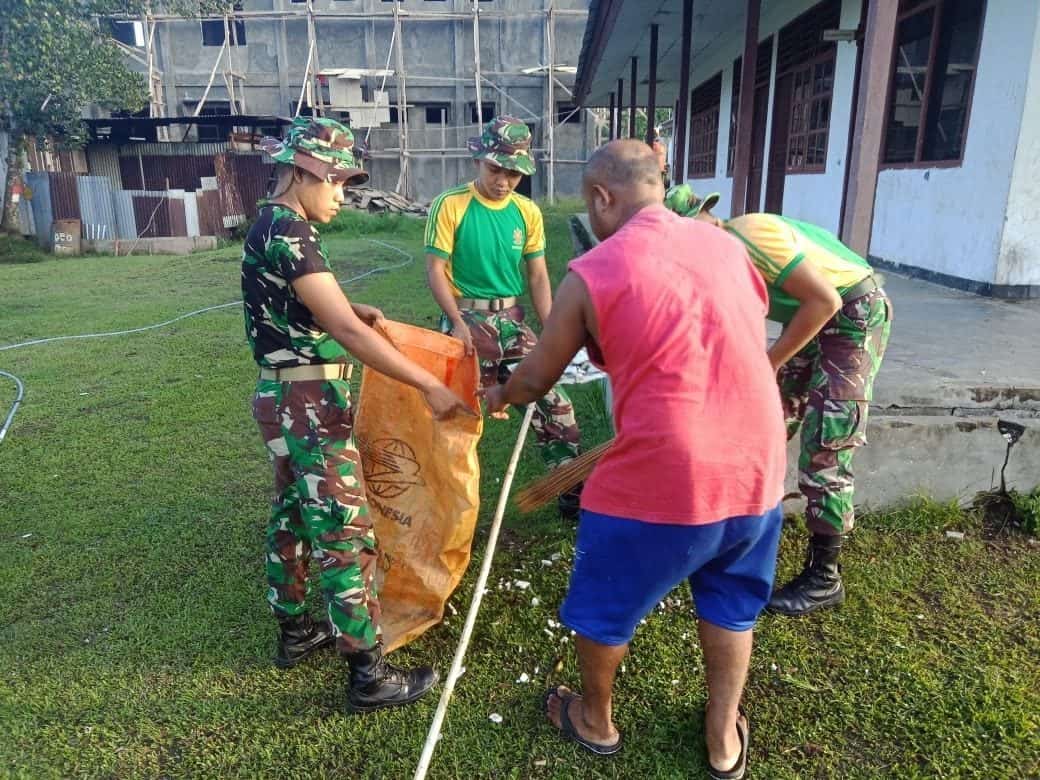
[[623, 568]]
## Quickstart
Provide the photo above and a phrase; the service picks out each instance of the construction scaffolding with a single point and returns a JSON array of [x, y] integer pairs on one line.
[[403, 143]]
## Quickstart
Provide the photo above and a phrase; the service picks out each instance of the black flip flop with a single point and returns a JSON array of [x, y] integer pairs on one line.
[[567, 730], [739, 770]]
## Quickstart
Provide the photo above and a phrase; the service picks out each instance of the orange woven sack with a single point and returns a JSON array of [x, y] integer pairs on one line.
[[422, 480]]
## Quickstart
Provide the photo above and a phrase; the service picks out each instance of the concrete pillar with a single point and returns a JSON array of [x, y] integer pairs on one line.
[[620, 105], [870, 124]]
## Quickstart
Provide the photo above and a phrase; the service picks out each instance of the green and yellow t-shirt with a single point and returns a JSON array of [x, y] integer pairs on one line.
[[484, 241], [777, 245]]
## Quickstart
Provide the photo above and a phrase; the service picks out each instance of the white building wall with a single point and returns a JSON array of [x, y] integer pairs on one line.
[[1019, 260], [817, 197], [951, 220], [811, 197]]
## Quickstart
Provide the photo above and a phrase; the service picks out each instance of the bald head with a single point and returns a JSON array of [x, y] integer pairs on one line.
[[623, 165], [620, 179]]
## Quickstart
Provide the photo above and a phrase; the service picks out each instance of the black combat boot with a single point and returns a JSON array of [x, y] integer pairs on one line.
[[818, 586], [301, 636], [569, 503], [375, 683]]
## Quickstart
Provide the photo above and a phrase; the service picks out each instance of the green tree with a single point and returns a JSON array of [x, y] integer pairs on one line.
[[56, 59]]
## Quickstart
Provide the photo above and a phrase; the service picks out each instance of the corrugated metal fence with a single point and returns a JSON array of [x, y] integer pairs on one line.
[[205, 195]]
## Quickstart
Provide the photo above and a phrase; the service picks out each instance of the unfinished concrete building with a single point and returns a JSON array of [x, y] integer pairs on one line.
[[404, 74]]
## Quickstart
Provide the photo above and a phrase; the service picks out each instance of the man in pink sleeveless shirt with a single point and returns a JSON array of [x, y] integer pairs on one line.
[[690, 490]]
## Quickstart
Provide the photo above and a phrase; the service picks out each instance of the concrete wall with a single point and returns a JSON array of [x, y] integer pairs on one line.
[[951, 220], [1019, 261], [438, 62]]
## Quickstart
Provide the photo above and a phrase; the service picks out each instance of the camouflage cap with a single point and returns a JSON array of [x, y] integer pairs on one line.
[[685, 202], [506, 141], [320, 146]]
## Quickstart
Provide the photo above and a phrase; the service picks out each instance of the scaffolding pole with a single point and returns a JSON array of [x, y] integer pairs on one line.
[[402, 107], [476, 62], [550, 99]]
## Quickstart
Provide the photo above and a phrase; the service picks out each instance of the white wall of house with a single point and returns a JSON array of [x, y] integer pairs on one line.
[[814, 197], [951, 220], [1019, 261]]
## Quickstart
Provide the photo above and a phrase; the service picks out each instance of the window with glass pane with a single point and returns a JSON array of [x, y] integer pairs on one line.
[[811, 91], [930, 93]]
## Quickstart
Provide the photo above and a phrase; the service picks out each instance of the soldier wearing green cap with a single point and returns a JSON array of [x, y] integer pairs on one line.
[[483, 242], [302, 330], [836, 322]]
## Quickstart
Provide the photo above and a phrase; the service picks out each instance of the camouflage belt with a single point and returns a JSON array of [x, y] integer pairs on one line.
[[308, 373], [480, 304]]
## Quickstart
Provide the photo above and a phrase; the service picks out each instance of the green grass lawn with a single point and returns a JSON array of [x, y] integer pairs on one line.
[[134, 636]]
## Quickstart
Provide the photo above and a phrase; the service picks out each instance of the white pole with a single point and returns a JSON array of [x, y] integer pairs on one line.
[[474, 607]]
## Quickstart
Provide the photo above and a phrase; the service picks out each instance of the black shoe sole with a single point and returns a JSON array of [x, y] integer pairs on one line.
[[289, 663], [835, 602], [362, 709]]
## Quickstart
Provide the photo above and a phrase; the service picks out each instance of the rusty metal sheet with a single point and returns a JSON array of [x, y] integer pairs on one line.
[[211, 214], [64, 196], [230, 197]]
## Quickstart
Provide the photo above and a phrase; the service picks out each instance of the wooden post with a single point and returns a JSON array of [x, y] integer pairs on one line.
[[745, 110], [632, 98], [610, 116], [682, 112], [651, 88], [870, 123]]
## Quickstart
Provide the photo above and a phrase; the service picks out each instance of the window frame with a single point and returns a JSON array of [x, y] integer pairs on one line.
[[237, 25], [711, 115], [921, 7], [810, 65]]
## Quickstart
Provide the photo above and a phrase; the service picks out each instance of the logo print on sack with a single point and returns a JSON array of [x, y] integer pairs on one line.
[[390, 467]]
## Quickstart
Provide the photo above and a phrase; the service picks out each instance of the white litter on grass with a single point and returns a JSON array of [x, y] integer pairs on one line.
[[541, 762], [675, 682], [535, 602], [546, 563], [555, 557], [84, 393], [522, 584], [452, 608], [552, 623], [536, 669], [550, 633], [523, 679], [27, 536], [494, 717], [958, 535], [773, 667], [564, 639], [622, 668], [685, 637], [642, 622], [920, 617]]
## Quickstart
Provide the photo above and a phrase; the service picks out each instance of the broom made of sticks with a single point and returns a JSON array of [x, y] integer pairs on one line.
[[560, 480]]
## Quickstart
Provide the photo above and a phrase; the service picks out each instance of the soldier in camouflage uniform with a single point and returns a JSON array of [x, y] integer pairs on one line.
[[836, 323], [300, 327], [483, 241]]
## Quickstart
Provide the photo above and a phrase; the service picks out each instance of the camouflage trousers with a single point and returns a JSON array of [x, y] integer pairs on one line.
[[319, 509], [501, 340], [826, 391]]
